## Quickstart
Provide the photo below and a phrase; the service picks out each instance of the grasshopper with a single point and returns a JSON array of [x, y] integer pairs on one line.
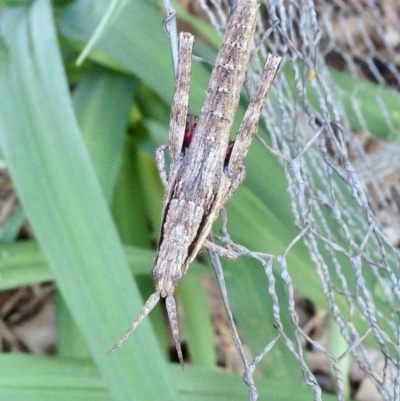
[[206, 167]]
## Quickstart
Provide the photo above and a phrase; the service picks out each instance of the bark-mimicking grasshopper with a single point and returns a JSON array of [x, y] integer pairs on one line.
[[203, 177]]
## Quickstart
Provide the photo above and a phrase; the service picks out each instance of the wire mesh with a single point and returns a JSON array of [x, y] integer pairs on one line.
[[335, 106]]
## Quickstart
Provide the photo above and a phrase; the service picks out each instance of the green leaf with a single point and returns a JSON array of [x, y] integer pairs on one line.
[[139, 44], [197, 321], [102, 101], [114, 8], [11, 227], [367, 105], [33, 378], [62, 197], [22, 263], [129, 209]]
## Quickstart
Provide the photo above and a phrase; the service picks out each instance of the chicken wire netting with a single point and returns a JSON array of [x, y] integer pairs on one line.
[[333, 128]]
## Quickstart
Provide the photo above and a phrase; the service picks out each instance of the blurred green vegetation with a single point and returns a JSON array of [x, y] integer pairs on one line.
[[79, 144]]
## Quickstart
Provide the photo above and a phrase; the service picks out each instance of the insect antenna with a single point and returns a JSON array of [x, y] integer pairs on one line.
[[147, 308]]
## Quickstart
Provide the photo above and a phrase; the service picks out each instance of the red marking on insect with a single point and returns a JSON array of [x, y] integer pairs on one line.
[[228, 152], [191, 123]]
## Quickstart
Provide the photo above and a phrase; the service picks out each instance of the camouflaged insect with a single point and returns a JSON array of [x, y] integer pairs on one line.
[[206, 168]]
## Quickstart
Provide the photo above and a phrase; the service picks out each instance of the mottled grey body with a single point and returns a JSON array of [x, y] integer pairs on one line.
[[202, 178]]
